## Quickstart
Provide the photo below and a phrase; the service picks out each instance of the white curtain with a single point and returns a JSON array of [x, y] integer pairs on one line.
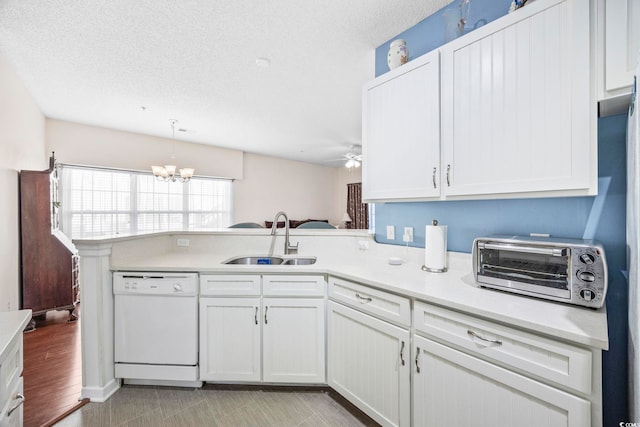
[[633, 250]]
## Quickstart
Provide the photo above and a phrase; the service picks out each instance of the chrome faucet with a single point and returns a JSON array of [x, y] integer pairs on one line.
[[288, 247]]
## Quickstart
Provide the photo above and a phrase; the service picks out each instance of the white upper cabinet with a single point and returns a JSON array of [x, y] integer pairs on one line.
[[518, 112], [401, 132], [618, 44], [510, 111]]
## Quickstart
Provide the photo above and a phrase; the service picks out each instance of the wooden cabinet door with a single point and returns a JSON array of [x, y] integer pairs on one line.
[[401, 132], [230, 339], [368, 363], [451, 388], [518, 107], [293, 340]]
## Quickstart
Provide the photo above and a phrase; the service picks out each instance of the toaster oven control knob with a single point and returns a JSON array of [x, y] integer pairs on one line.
[[587, 258], [586, 276], [587, 294]]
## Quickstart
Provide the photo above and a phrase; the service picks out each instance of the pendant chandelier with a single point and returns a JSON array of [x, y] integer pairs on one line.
[[167, 173]]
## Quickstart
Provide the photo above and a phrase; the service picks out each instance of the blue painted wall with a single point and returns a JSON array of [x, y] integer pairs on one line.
[[602, 218]]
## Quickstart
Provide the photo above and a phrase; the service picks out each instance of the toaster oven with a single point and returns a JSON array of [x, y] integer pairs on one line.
[[573, 271]]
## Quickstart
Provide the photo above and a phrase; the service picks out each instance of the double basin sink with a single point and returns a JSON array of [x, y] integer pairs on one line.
[[272, 260]]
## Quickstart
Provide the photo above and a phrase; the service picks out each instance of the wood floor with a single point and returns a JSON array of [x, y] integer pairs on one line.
[[52, 369]]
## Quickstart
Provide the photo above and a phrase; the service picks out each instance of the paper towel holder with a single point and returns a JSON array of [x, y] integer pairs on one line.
[[434, 270], [430, 269]]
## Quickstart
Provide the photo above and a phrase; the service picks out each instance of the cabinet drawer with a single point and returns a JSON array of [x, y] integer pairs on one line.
[[11, 368], [294, 285], [546, 359], [229, 284], [382, 304]]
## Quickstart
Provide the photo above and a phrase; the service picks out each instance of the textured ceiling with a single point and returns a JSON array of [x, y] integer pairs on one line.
[[98, 62]]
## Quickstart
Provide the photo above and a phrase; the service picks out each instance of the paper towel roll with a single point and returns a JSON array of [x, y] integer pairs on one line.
[[435, 248]]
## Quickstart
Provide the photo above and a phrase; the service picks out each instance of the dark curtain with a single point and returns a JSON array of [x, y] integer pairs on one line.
[[358, 211]]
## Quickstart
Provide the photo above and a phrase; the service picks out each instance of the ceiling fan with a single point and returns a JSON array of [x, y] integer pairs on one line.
[[352, 158]]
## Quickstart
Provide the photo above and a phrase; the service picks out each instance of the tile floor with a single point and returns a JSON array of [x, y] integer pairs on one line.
[[168, 407]]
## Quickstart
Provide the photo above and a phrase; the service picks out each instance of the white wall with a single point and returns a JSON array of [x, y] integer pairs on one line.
[[270, 184], [22, 146], [263, 185], [75, 143]]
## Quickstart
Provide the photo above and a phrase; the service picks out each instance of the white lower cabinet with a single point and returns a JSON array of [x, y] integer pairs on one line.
[[369, 364], [230, 339], [452, 388], [470, 371], [293, 340], [262, 338]]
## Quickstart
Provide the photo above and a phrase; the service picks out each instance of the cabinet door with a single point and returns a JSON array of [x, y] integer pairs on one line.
[[451, 388], [368, 363], [518, 108], [293, 340], [401, 132], [622, 41], [230, 339], [12, 414]]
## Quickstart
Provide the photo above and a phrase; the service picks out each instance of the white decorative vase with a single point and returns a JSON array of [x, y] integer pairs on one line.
[[398, 54]]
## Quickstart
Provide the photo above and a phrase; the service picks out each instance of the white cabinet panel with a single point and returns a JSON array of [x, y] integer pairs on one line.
[[384, 305], [368, 363], [293, 340], [546, 359], [517, 110], [312, 286], [12, 414], [621, 43], [230, 339], [229, 284], [401, 132], [453, 388]]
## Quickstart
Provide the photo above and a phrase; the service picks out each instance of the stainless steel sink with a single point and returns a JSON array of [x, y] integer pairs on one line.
[[271, 260], [300, 261]]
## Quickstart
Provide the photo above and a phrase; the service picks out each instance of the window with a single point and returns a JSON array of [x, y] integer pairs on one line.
[[98, 202]]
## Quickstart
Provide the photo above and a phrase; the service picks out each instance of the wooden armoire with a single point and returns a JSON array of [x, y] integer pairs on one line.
[[49, 260]]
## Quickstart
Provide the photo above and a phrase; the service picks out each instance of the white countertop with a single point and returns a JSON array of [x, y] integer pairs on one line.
[[12, 323], [454, 289]]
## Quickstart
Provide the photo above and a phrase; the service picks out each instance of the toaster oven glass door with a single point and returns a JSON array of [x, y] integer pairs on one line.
[[544, 270]]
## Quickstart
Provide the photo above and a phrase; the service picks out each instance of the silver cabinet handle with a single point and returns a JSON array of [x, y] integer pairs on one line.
[[20, 401], [417, 355], [265, 314], [362, 299], [448, 175], [481, 338], [434, 177], [401, 355], [256, 316]]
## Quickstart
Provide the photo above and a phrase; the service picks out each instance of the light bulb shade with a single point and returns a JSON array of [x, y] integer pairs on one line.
[[186, 173], [356, 163], [157, 170], [171, 169], [350, 163]]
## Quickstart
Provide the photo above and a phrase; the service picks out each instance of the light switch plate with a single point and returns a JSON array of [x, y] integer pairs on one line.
[[183, 242], [391, 232]]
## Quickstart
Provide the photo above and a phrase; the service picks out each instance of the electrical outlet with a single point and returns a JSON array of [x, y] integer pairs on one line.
[[408, 235], [363, 245], [183, 242], [8, 305], [391, 232]]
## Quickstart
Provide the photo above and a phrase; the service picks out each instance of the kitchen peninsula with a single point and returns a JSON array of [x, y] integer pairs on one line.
[[546, 356]]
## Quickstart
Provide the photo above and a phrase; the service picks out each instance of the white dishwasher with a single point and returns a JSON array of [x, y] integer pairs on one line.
[[156, 328]]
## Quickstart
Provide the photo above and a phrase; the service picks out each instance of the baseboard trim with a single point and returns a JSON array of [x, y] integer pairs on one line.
[[100, 394]]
